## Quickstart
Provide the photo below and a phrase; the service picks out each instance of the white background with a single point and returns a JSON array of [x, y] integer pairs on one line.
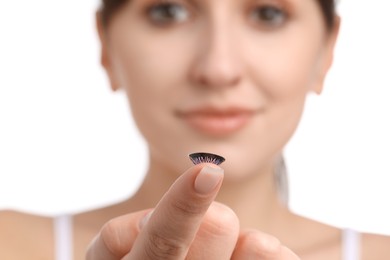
[[67, 144]]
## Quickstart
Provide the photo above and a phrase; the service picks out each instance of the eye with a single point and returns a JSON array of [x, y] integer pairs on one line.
[[269, 16], [165, 13]]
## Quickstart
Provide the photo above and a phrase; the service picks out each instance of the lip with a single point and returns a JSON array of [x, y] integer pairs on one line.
[[218, 121]]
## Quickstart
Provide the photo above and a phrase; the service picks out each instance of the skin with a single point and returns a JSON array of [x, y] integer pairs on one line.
[[217, 56]]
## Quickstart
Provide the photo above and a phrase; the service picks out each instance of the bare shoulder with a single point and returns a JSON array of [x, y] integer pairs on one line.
[[319, 241], [375, 247], [25, 236]]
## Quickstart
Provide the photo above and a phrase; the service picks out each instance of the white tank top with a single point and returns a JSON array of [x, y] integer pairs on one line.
[[63, 237], [350, 245], [64, 240]]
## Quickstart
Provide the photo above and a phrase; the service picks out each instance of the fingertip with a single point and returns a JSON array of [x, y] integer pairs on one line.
[[208, 179]]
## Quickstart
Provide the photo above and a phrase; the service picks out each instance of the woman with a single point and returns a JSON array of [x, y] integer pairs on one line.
[[227, 77]]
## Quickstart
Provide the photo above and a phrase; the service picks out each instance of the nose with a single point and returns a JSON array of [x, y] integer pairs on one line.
[[216, 64]]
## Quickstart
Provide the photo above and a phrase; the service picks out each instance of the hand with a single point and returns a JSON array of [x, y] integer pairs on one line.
[[186, 224]]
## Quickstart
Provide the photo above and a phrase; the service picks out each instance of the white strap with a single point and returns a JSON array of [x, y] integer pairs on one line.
[[351, 245], [63, 237]]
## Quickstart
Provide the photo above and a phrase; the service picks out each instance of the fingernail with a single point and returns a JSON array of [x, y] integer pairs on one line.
[[207, 179], [145, 220]]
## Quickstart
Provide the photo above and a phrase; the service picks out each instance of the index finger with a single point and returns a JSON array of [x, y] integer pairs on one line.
[[176, 219]]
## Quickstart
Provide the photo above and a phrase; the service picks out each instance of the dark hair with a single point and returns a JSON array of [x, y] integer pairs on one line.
[[328, 8], [109, 7]]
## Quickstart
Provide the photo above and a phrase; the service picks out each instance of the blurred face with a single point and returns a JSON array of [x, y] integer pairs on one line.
[[222, 76]]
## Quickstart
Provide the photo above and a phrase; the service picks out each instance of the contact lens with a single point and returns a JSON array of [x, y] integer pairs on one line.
[[197, 158]]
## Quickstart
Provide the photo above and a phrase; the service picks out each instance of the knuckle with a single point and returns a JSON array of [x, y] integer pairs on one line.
[[162, 247], [261, 245], [187, 209], [110, 235], [220, 220]]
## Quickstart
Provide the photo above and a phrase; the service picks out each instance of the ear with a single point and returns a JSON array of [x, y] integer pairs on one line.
[[104, 55], [327, 58]]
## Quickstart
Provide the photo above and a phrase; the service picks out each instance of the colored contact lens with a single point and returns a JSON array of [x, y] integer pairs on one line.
[[197, 158]]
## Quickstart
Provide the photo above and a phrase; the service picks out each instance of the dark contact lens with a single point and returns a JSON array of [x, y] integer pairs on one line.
[[197, 158]]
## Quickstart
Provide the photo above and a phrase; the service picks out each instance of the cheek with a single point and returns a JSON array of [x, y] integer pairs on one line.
[[288, 72], [153, 77], [151, 64], [284, 80]]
